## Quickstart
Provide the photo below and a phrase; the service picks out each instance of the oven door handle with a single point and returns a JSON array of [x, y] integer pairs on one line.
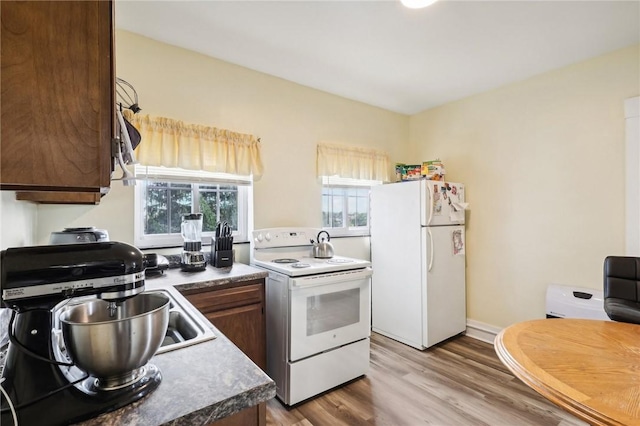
[[334, 278]]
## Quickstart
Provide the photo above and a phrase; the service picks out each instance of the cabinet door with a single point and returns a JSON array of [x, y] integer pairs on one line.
[[238, 312], [57, 83], [244, 327], [252, 416]]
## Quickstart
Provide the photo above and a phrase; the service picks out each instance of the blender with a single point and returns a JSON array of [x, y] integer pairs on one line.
[[192, 256]]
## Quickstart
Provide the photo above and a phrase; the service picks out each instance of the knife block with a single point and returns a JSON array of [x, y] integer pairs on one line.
[[221, 258]]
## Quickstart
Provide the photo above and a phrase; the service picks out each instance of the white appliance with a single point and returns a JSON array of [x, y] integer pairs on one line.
[[564, 301], [318, 314], [418, 254]]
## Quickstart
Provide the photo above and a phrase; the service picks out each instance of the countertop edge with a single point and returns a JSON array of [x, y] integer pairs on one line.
[[226, 408], [264, 388], [210, 277]]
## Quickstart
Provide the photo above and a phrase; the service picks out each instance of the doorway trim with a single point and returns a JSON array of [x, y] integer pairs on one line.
[[632, 213]]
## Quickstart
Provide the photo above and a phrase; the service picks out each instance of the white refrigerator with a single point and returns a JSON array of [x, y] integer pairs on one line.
[[418, 250]]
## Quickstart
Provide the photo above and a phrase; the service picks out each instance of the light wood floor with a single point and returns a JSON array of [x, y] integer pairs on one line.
[[458, 382]]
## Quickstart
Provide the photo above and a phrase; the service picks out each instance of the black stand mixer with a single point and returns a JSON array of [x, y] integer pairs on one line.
[[42, 382]]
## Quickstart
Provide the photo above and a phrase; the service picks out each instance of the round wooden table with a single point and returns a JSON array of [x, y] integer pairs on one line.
[[590, 368]]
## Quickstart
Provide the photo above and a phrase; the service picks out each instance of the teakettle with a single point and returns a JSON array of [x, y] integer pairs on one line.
[[322, 249]]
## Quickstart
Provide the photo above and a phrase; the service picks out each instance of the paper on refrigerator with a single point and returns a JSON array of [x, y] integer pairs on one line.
[[456, 212], [457, 238]]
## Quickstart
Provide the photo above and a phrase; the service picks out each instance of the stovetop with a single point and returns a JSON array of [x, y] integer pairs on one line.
[[307, 265], [288, 251]]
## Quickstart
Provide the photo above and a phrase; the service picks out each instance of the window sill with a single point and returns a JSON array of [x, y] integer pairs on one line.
[[206, 245], [343, 233]]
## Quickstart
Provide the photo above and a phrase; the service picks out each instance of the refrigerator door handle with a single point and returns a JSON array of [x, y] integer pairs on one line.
[[430, 250], [430, 201]]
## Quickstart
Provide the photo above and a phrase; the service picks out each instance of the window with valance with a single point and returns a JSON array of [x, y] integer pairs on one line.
[[347, 174], [188, 168]]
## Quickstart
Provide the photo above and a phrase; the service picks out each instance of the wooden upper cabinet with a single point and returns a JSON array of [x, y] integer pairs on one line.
[[57, 82]]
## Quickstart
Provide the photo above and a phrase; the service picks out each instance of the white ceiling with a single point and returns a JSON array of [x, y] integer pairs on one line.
[[382, 54]]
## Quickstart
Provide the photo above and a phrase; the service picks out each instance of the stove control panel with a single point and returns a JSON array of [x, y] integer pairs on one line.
[[284, 237]]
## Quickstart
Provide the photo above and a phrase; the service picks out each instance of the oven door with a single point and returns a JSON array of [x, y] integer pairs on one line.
[[328, 311]]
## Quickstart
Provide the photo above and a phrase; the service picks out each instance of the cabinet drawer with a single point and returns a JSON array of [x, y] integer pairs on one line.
[[217, 300]]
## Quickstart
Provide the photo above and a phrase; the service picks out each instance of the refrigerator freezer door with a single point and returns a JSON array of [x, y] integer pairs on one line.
[[396, 257], [441, 203], [445, 295]]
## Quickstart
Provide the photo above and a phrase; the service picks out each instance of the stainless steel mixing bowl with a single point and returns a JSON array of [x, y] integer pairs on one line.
[[111, 346]]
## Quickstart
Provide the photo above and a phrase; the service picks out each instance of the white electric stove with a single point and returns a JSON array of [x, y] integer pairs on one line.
[[318, 313]]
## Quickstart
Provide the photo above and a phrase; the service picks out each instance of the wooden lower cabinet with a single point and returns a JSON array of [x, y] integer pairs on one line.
[[237, 310], [252, 416]]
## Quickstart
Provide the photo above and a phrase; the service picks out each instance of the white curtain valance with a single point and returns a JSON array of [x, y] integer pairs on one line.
[[352, 162], [172, 143]]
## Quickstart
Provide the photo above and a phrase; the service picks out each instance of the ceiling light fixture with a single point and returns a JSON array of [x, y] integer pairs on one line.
[[417, 4]]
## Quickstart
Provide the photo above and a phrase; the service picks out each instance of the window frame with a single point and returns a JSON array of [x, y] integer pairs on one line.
[[168, 240], [336, 182]]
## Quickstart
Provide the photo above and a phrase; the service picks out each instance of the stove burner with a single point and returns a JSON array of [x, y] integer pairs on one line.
[[285, 260], [300, 265], [340, 261]]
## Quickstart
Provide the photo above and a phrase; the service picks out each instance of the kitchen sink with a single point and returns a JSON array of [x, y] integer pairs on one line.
[[186, 326]]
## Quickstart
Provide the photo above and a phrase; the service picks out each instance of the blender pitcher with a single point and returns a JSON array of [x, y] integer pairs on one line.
[[192, 255]]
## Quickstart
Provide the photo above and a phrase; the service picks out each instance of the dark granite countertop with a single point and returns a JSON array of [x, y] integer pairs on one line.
[[204, 382], [210, 277]]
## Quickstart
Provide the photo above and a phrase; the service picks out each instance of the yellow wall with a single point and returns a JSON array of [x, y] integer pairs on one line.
[[543, 163], [290, 120]]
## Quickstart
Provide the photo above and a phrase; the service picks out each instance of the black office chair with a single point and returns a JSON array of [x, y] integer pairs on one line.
[[622, 288]]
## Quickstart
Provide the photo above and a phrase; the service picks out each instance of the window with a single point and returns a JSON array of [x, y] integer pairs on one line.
[[348, 173], [345, 205], [164, 195]]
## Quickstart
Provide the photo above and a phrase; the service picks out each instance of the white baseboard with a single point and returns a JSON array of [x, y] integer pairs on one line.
[[481, 331]]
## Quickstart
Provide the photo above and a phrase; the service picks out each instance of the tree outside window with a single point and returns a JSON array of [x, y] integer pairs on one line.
[[160, 205], [167, 202]]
